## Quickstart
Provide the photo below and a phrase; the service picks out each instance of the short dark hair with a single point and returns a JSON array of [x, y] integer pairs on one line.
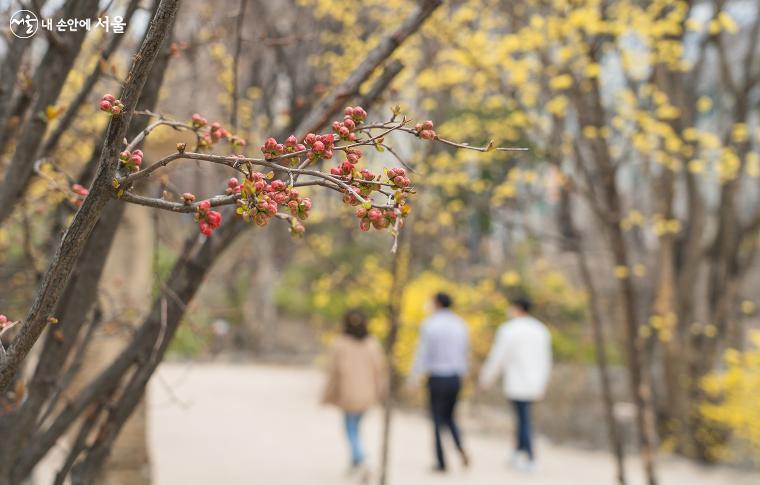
[[523, 302], [355, 324], [443, 299]]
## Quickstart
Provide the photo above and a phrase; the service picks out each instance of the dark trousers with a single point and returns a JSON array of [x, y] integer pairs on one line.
[[444, 392], [522, 425]]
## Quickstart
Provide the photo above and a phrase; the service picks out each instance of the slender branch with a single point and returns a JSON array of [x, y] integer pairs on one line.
[[236, 63]]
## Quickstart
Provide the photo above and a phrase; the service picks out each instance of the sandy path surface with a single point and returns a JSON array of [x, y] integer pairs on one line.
[[231, 424]]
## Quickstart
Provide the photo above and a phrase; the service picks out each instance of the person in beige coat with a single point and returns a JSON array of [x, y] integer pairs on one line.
[[357, 378]]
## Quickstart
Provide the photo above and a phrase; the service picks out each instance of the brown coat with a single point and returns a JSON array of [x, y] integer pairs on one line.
[[357, 376]]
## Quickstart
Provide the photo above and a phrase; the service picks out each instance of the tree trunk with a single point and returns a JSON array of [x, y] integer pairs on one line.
[[600, 350], [399, 274], [126, 292]]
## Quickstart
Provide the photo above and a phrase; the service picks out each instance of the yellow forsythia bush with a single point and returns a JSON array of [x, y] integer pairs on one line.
[[735, 390]]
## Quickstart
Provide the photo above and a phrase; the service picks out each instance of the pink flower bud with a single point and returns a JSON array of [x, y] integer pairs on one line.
[[105, 105], [188, 198], [364, 225], [233, 183], [109, 97], [214, 218], [360, 212], [205, 228], [204, 206], [374, 214], [318, 146], [310, 139]]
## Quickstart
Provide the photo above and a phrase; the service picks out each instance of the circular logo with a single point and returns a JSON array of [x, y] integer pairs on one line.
[[24, 24]]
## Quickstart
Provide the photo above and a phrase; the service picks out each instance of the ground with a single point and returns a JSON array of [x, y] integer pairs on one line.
[[255, 424]]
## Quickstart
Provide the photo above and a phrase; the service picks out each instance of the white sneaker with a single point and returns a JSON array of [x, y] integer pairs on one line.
[[518, 459], [363, 474]]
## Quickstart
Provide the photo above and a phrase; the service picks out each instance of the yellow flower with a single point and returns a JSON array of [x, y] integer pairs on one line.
[[696, 166], [704, 104], [740, 133], [561, 82], [510, 278], [748, 307], [621, 272]]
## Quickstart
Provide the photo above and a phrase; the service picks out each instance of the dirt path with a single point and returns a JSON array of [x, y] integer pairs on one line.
[[249, 424]]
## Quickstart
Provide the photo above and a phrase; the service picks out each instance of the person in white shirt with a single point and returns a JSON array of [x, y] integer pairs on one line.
[[522, 354], [442, 353]]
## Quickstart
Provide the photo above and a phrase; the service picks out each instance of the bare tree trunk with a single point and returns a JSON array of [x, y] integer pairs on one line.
[[600, 350], [260, 310], [101, 192], [48, 81], [126, 297], [51, 375], [399, 275]]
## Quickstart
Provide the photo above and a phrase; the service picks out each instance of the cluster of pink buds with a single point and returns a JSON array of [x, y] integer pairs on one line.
[[256, 203], [299, 206], [198, 121], [233, 186], [110, 104], [210, 134], [425, 130], [320, 146], [259, 200], [271, 149], [346, 169], [131, 160], [79, 194], [375, 217], [398, 177], [353, 117], [188, 198], [208, 220], [214, 134]]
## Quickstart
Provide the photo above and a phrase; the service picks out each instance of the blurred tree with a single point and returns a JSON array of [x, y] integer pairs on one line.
[[642, 111]]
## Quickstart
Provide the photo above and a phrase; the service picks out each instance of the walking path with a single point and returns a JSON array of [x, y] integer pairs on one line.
[[247, 424]]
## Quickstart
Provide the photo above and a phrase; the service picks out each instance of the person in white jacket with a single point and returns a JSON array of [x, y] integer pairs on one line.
[[522, 354]]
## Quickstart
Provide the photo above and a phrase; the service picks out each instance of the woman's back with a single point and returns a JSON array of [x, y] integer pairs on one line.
[[356, 374]]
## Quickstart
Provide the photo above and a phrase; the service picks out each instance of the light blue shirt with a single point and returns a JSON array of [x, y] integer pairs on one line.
[[443, 346]]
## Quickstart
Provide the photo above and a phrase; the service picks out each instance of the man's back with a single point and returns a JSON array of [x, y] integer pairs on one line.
[[522, 352], [443, 345]]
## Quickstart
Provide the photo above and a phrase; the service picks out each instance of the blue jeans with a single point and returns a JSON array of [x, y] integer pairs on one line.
[[522, 418], [352, 432]]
